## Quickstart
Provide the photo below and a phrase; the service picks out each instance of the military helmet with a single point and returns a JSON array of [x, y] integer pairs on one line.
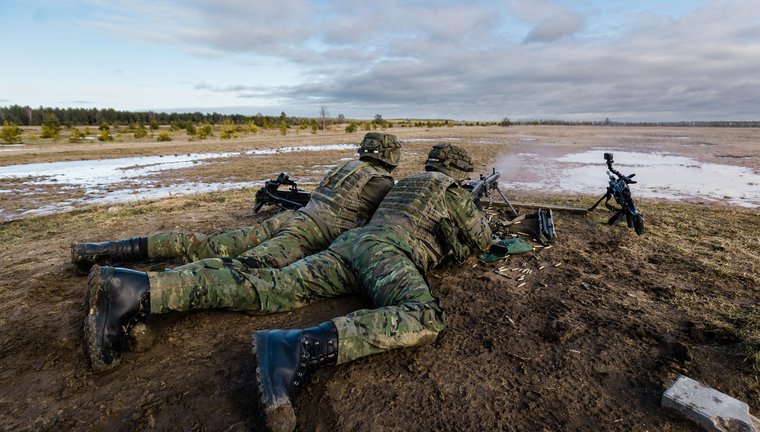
[[380, 146], [450, 160]]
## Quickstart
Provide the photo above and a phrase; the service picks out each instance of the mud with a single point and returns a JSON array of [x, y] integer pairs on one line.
[[563, 356]]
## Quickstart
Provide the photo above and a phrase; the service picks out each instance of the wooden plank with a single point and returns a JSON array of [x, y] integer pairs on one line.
[[570, 209]]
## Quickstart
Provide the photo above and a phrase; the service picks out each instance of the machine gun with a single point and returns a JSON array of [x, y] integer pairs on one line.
[[289, 199], [485, 185], [619, 189]]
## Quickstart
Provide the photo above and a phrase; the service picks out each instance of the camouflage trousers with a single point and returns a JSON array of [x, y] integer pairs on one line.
[[190, 247], [274, 243], [406, 313]]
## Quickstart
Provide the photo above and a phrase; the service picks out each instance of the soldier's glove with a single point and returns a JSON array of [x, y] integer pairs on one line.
[[448, 233]]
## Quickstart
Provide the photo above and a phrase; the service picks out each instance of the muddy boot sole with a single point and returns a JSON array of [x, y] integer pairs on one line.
[[277, 410], [82, 266], [94, 323]]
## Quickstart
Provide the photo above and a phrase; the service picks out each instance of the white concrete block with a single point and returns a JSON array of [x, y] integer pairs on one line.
[[711, 409]]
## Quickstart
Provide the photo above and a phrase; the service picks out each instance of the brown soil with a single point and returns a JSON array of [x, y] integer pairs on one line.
[[678, 300]]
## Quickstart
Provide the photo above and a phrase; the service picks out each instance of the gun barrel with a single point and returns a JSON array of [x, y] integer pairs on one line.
[[493, 177]]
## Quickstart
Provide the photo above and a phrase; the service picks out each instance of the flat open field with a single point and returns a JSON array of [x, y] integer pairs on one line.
[[680, 299]]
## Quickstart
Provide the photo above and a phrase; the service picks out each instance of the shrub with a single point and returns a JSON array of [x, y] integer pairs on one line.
[[314, 128], [227, 131], [204, 131], [140, 131], [351, 128], [163, 136], [105, 136], [190, 129], [76, 136], [283, 128], [10, 133]]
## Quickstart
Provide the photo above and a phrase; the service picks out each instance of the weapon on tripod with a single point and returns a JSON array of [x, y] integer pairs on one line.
[[288, 199], [618, 188], [485, 185]]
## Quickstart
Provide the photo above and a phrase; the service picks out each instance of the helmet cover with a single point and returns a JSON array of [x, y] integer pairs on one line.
[[451, 160], [381, 146]]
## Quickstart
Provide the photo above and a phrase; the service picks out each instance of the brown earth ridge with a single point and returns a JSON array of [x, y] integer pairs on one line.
[[590, 344]]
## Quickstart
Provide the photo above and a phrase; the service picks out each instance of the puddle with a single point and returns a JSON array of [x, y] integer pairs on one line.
[[735, 157], [660, 175], [23, 147], [528, 139], [118, 180], [430, 139], [110, 171]]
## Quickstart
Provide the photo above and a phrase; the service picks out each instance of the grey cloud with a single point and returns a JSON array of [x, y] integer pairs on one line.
[[416, 59], [555, 27]]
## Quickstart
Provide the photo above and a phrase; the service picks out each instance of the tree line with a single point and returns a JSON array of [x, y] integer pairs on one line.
[[26, 116]]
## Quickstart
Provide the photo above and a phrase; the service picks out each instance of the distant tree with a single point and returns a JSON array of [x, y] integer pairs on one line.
[[204, 131], [190, 129], [10, 133], [140, 131], [283, 117], [76, 136], [51, 127], [153, 125], [341, 119], [323, 114], [227, 131], [105, 136], [379, 119], [351, 128], [283, 127], [367, 126], [163, 136], [505, 122], [314, 128], [104, 126]]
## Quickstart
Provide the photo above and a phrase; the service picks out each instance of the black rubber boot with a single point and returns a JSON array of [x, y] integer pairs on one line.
[[286, 360], [85, 255], [118, 299]]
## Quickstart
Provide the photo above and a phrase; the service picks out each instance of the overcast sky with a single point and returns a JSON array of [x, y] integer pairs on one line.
[[466, 60]]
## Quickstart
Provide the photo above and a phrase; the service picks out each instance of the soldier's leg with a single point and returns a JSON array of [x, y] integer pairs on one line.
[[407, 314], [190, 247], [184, 247], [297, 239], [229, 283]]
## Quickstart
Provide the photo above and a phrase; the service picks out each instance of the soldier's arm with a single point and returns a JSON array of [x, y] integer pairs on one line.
[[474, 231], [373, 193]]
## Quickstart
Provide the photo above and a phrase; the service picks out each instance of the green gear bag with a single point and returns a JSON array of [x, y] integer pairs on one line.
[[512, 246]]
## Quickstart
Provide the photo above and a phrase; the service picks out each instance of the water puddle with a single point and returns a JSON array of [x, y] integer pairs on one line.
[[17, 147], [115, 180], [430, 139], [660, 175]]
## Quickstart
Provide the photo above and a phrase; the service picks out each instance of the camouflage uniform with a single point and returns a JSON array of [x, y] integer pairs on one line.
[[345, 199], [189, 247], [385, 261]]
